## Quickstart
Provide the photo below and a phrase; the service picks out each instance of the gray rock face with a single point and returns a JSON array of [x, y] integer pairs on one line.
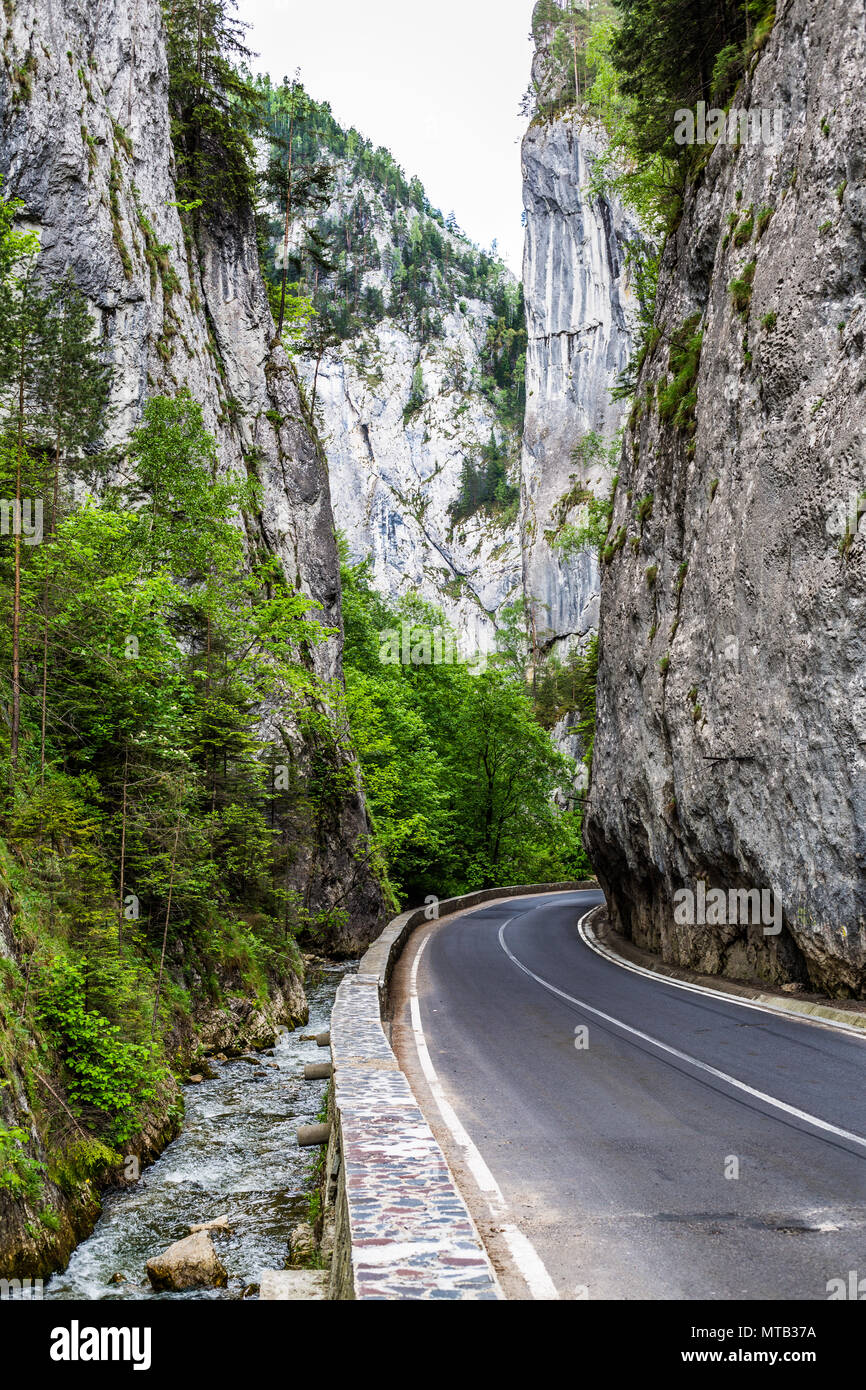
[[394, 476], [86, 145], [580, 312], [731, 742], [394, 480]]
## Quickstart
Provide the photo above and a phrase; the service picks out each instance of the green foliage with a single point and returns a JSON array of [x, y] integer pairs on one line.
[[745, 228], [613, 547], [566, 687], [643, 262], [417, 394], [149, 647], [765, 216], [563, 31], [648, 61], [83, 1160], [504, 356], [20, 1175], [591, 533], [678, 399], [334, 252], [459, 772], [644, 510], [215, 108], [103, 1072], [484, 483], [741, 289]]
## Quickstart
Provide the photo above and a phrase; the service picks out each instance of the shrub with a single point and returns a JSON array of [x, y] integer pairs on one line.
[[741, 288]]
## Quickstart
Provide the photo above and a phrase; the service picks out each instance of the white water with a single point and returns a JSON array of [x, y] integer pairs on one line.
[[237, 1155]]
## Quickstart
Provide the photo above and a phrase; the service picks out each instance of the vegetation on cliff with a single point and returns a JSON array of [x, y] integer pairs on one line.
[[460, 773]]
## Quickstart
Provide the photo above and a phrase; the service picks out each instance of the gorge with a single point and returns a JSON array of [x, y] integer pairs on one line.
[[632, 483]]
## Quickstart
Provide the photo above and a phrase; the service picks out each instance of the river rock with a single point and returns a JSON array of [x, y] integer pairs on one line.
[[196, 1079], [219, 1223], [191, 1263]]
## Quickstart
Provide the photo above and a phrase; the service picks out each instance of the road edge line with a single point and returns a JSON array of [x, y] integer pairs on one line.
[[793, 1008], [825, 1126], [527, 1260]]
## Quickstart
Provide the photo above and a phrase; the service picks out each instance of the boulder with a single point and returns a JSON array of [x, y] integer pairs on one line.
[[191, 1263]]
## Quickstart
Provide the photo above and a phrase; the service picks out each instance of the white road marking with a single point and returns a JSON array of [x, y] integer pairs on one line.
[[523, 1252], [589, 939], [682, 1056]]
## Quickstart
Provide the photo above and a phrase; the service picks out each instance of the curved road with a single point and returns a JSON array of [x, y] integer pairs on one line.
[[681, 1147]]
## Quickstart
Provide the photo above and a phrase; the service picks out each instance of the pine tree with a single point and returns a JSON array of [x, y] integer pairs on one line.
[[216, 110], [74, 389], [25, 314]]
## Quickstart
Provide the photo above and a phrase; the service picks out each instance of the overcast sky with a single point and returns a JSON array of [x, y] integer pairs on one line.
[[439, 83]]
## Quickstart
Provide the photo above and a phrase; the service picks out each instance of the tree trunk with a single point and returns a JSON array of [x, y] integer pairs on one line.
[[165, 928], [16, 601], [123, 847], [288, 217], [52, 523]]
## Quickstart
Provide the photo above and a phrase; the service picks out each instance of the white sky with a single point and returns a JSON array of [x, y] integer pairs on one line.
[[438, 83]]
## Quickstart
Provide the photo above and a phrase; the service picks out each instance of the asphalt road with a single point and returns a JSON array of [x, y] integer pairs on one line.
[[616, 1160]]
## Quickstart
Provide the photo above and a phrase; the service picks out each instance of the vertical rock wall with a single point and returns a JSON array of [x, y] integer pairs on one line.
[[731, 742]]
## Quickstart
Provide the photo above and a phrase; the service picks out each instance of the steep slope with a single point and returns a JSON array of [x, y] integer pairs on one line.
[[87, 147], [580, 310], [420, 388], [732, 704]]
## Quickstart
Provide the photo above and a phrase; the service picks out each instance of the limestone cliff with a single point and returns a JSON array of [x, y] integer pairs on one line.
[[403, 412], [86, 145], [731, 742], [580, 310]]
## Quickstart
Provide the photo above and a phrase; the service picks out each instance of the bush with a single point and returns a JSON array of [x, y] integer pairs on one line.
[[102, 1070], [20, 1175]]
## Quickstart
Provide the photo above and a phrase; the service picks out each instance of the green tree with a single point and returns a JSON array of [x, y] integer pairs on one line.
[[215, 108]]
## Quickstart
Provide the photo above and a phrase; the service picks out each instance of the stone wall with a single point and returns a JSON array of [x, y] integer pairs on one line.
[[402, 1229]]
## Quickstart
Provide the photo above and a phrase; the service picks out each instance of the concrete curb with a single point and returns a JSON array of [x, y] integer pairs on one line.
[[401, 1227], [623, 953]]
